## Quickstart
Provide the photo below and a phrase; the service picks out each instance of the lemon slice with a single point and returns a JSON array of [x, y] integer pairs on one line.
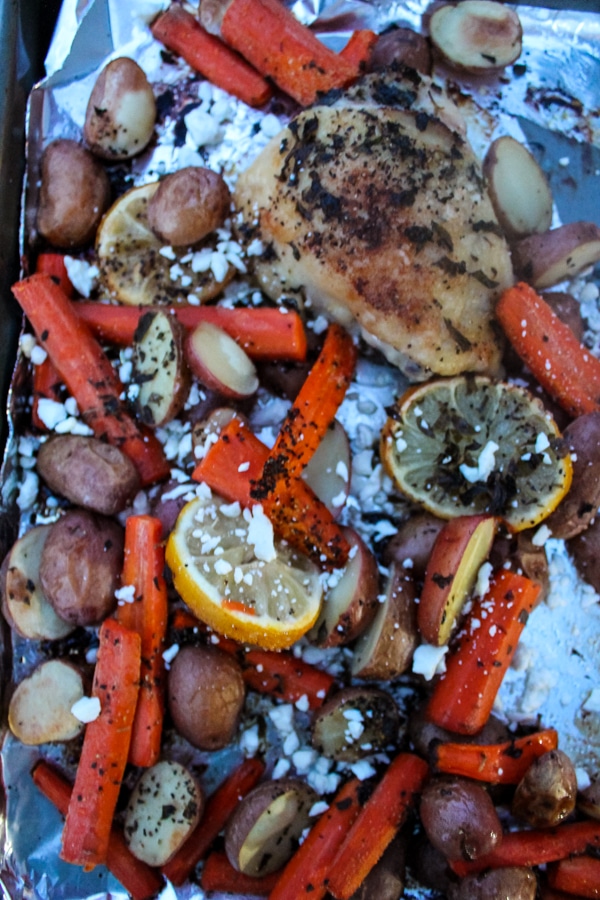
[[473, 445], [138, 269], [237, 579]]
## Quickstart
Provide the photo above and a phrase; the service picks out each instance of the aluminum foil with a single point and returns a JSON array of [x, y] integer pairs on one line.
[[550, 98]]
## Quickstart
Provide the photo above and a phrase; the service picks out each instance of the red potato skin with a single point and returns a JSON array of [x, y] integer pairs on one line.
[[451, 545], [534, 256]]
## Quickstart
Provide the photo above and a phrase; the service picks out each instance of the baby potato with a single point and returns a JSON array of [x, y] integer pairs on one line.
[[80, 566], [74, 195], [188, 205], [164, 808], [40, 708], [88, 472], [206, 693], [121, 111]]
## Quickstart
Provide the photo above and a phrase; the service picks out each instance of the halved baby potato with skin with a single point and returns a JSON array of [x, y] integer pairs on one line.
[[518, 188], [476, 36], [355, 722], [265, 829], [159, 372], [24, 602], [164, 808], [559, 254], [219, 362], [40, 708]]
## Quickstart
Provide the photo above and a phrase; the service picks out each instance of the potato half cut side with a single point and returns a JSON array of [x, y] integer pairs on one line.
[[476, 35], [518, 188], [159, 374], [40, 708]]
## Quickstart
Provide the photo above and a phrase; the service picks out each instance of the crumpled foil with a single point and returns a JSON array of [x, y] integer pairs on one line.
[[551, 98]]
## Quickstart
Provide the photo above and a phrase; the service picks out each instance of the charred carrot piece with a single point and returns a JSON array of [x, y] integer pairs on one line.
[[105, 749], [307, 872], [535, 848], [463, 697], [219, 875], [282, 675], [269, 36], [87, 373], [180, 32], [236, 461], [143, 569], [139, 879], [377, 824], [47, 385], [219, 808], [53, 264], [311, 413], [269, 333], [359, 47], [566, 369], [504, 763], [579, 875]]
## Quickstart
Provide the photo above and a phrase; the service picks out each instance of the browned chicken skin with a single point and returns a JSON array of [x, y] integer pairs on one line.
[[377, 214]]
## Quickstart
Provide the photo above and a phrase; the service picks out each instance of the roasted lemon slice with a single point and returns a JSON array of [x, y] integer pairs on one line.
[[136, 267], [474, 445], [237, 579]]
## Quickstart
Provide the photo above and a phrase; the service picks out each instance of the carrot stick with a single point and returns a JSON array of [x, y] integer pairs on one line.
[[143, 568], [307, 872], [105, 748], [219, 875], [181, 33], [463, 697], [47, 385], [535, 848], [53, 264], [566, 369], [359, 47], [311, 414], [269, 36], [219, 808], [504, 763], [579, 875], [237, 460], [139, 879], [377, 824], [87, 373], [283, 675], [264, 333]]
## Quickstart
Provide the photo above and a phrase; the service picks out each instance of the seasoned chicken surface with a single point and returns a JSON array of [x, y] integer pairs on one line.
[[375, 210]]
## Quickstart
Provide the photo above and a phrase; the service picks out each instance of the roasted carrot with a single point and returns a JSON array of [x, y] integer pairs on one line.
[[270, 37], [283, 675], [566, 369], [139, 879], [377, 824], [535, 848], [143, 568], [307, 872], [463, 697], [219, 875], [53, 264], [264, 333], [237, 459], [579, 875], [504, 763], [311, 413], [219, 808], [181, 33], [87, 830], [87, 373], [46, 385], [359, 47]]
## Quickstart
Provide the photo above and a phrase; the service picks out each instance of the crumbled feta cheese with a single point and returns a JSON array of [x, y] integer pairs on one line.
[[125, 594], [87, 709], [281, 768], [260, 534], [202, 128], [482, 583], [540, 537], [250, 741], [429, 660], [485, 464], [82, 275], [169, 654], [592, 704], [362, 769]]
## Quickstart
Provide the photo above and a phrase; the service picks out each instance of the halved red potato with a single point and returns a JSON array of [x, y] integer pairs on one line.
[[24, 603], [219, 362], [544, 260], [159, 368], [40, 708], [476, 36], [460, 549], [518, 188], [385, 650], [328, 472], [350, 606]]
